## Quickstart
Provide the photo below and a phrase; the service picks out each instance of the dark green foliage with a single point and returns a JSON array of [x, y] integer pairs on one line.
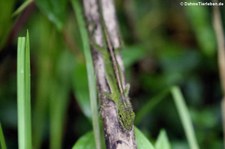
[[55, 10], [165, 45]]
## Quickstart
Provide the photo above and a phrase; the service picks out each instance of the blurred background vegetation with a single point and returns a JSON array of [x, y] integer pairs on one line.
[[164, 44]]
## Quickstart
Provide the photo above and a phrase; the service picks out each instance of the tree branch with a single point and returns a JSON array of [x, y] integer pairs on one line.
[[115, 136]]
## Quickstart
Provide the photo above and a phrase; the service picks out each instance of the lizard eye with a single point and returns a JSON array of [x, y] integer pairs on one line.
[[121, 117]]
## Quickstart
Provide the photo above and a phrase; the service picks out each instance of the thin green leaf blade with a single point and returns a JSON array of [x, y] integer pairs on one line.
[[22, 7], [59, 98], [185, 117], [142, 141], [2, 138], [90, 72], [20, 92], [44, 56], [23, 93], [28, 91], [162, 141]]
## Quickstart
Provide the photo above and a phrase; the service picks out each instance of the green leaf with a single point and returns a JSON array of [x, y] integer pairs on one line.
[[2, 138], [162, 141], [59, 101], [55, 10], [142, 141], [85, 142], [80, 87], [45, 56], [185, 117], [23, 93]]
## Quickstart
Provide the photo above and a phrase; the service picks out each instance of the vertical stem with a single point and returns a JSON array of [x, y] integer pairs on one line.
[[185, 117], [90, 72], [223, 118], [221, 56]]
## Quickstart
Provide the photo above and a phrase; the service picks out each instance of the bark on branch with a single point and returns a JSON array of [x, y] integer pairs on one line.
[[115, 137]]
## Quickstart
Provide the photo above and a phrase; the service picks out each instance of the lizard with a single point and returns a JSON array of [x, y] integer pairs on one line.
[[118, 93]]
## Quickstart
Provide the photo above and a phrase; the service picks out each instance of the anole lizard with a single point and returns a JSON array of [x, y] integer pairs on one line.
[[117, 94]]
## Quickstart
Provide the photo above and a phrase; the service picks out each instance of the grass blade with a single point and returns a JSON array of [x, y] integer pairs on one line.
[[59, 98], [44, 73], [22, 7], [185, 117], [2, 138], [23, 93], [90, 71]]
